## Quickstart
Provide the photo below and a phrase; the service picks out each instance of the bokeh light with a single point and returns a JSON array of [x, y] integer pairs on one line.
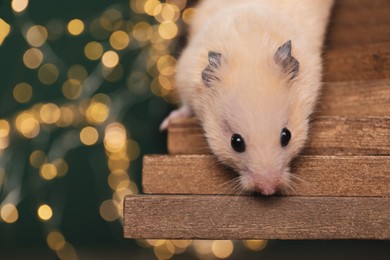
[[19, 5], [75, 27], [50, 113], [110, 59], [27, 125], [48, 74], [48, 171], [22, 92], [93, 50], [36, 35], [5, 29], [72, 89], [33, 58], [255, 245], [55, 240], [108, 210], [89, 135], [9, 213], [222, 248], [119, 40], [45, 212]]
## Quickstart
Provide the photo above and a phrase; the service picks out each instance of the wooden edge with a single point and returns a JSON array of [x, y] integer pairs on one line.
[[329, 135], [315, 176], [232, 217]]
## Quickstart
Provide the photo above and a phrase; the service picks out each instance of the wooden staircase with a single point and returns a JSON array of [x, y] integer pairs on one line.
[[344, 171]]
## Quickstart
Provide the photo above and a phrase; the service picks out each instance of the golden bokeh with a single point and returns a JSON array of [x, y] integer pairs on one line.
[[116, 181], [166, 65], [138, 6], [115, 137], [5, 28], [32, 58], [78, 72], [48, 171], [75, 27], [181, 4], [97, 113], [4, 128], [142, 31], [4, 142], [133, 149], [22, 92], [55, 240], [61, 166], [110, 59], [37, 158], [19, 5], [48, 73], [9, 213], [112, 74], [222, 248], [203, 247], [165, 250], [255, 245], [188, 14], [27, 125], [93, 50], [108, 210], [89, 135], [66, 117], [50, 113], [167, 12], [152, 7], [67, 252], [119, 40], [36, 35], [45, 212], [168, 30], [72, 89]]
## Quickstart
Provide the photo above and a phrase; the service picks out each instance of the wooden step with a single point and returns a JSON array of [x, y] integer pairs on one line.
[[328, 136], [319, 175], [235, 217]]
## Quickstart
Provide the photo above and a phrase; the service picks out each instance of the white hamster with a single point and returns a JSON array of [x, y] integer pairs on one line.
[[251, 74]]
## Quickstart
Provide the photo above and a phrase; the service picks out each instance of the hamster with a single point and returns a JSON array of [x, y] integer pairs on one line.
[[251, 74]]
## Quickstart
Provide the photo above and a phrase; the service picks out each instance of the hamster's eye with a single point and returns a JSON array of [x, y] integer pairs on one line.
[[285, 137], [238, 143]]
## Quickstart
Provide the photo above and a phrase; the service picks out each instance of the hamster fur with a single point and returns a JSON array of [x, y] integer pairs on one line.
[[253, 68]]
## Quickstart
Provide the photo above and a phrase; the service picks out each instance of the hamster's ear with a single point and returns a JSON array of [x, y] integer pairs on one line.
[[208, 74], [283, 58]]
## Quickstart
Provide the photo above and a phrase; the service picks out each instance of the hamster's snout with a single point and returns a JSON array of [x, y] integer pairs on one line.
[[266, 184]]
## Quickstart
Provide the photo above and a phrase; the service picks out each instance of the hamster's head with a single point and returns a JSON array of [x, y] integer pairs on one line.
[[256, 119]]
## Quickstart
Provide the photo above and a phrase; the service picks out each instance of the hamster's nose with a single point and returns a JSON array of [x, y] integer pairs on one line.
[[266, 190]]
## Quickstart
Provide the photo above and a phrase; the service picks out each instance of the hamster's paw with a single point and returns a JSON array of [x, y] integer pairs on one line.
[[182, 112]]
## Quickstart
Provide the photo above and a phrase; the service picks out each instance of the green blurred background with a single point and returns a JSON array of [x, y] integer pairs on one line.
[[84, 86]]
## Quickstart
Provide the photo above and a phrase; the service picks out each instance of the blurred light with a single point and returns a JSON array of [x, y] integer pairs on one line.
[[5, 28], [182, 243], [78, 72], [61, 166], [138, 6], [45, 212], [119, 40], [115, 181], [167, 30], [22, 92], [110, 59], [67, 252], [108, 210], [89, 135], [112, 74], [166, 65], [151, 6], [27, 125], [255, 245], [142, 31], [66, 117], [111, 19], [9, 213], [19, 5], [188, 14], [55, 240], [75, 27], [93, 50], [133, 149], [36, 35], [168, 12], [97, 113], [72, 89], [179, 3], [33, 58], [4, 142], [37, 158], [164, 251], [4, 128], [48, 74], [50, 113], [114, 137], [48, 171], [203, 247], [222, 248]]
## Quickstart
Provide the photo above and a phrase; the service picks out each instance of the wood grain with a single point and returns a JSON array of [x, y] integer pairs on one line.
[[359, 22], [228, 217], [319, 176], [363, 62], [328, 136]]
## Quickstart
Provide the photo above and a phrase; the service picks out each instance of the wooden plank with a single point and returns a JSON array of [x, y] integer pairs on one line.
[[359, 22], [328, 136], [228, 217], [367, 62], [358, 99], [318, 175]]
